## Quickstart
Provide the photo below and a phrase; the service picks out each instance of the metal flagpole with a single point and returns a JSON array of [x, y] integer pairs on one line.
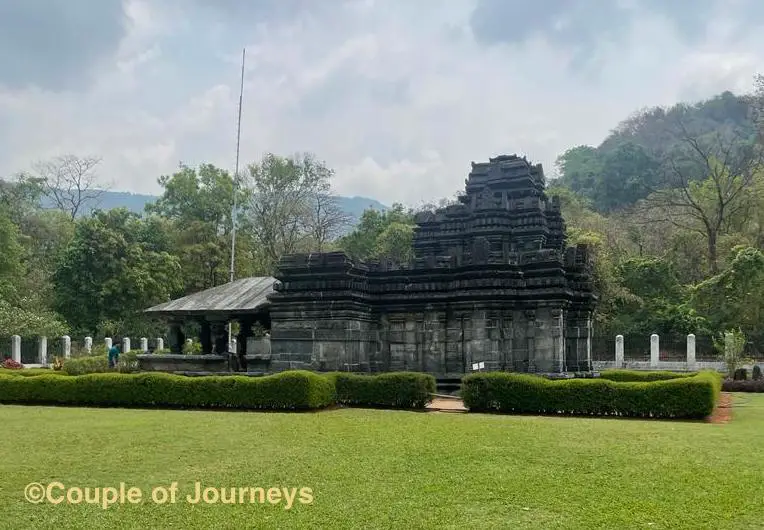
[[235, 188]]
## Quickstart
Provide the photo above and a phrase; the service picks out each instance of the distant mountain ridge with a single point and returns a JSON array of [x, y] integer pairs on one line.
[[136, 202]]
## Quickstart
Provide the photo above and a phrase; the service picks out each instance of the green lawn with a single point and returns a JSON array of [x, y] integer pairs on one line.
[[388, 469]]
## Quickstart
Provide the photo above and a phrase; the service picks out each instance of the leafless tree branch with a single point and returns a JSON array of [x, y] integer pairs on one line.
[[70, 181]]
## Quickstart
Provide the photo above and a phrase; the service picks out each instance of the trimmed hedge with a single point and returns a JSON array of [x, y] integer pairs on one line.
[[293, 390], [682, 397], [399, 390], [30, 372], [633, 376]]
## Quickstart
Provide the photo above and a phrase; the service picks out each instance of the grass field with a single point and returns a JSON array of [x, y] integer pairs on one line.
[[388, 469]]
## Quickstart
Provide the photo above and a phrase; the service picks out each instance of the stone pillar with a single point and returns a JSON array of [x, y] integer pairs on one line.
[[219, 337], [160, 343], [16, 348], [691, 352], [144, 344], [89, 345], [619, 351], [125, 344], [654, 350], [42, 351], [108, 343], [205, 337], [176, 338], [67, 346], [245, 331]]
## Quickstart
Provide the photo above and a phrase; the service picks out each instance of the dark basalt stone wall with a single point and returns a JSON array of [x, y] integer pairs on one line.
[[492, 281]]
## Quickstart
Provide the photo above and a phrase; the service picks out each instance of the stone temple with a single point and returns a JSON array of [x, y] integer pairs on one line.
[[492, 284]]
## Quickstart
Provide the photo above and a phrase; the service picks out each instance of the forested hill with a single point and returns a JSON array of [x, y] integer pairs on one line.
[[134, 202], [630, 162]]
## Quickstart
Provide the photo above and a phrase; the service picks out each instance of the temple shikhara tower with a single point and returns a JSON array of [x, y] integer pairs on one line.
[[492, 282]]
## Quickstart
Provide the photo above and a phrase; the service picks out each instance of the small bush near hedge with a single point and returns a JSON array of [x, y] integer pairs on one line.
[[292, 390], [633, 376], [128, 362], [681, 397], [756, 373], [400, 390]]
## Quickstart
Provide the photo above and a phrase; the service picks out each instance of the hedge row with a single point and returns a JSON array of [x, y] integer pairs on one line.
[[30, 372], [391, 390], [681, 397], [292, 390], [634, 376]]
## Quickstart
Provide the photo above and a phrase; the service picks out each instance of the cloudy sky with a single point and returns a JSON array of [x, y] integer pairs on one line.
[[397, 95]]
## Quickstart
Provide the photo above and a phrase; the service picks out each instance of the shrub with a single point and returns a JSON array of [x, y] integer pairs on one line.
[[757, 373], [128, 362], [192, 348], [288, 390], [400, 390], [10, 364], [740, 374], [680, 397], [624, 376], [731, 385], [27, 372]]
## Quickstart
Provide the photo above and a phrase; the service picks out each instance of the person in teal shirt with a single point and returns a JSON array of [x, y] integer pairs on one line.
[[113, 356]]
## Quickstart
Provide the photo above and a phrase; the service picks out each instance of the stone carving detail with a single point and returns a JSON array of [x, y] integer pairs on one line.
[[481, 250]]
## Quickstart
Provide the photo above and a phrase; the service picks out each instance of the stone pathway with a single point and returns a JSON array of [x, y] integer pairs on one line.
[[440, 404]]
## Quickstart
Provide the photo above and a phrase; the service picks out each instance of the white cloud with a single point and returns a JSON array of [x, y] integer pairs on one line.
[[397, 96]]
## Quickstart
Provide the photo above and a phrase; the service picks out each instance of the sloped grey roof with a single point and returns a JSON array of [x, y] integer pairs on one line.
[[246, 295]]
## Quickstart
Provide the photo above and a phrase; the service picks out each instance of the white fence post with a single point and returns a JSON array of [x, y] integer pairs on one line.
[[67, 346], [691, 352], [108, 343], [654, 350], [126, 345], [160, 343], [144, 344], [16, 348], [619, 351], [89, 345], [42, 351]]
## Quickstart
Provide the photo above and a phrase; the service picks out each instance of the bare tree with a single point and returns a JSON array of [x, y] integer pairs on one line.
[[285, 194], [327, 219], [705, 186], [70, 181]]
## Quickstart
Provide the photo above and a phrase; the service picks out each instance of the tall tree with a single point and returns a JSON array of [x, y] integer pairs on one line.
[[326, 219], [380, 235], [706, 184], [71, 182], [198, 203], [291, 207], [112, 270]]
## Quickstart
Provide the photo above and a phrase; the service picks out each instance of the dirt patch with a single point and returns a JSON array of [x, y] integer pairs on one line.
[[439, 404], [723, 411]]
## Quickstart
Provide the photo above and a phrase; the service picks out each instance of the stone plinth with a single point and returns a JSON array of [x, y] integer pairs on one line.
[[182, 363]]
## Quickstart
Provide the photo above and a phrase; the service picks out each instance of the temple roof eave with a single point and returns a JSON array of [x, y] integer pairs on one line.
[[241, 297]]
